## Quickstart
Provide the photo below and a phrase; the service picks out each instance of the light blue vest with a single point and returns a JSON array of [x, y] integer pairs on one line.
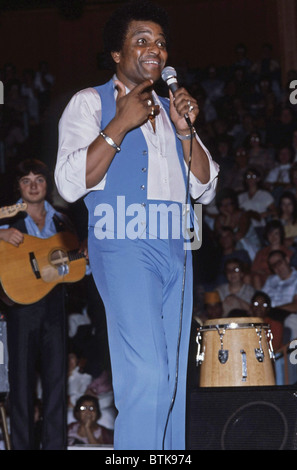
[[127, 174]]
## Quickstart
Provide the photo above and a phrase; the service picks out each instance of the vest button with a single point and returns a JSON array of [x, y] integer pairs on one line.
[[143, 170], [142, 187], [144, 152]]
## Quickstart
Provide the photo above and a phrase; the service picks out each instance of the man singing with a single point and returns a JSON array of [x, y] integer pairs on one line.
[[121, 140]]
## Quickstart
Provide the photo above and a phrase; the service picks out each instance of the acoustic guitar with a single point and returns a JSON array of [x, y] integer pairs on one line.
[[31, 270]]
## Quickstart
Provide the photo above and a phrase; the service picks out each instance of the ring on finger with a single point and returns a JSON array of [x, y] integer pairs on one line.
[[149, 102], [191, 107], [152, 113]]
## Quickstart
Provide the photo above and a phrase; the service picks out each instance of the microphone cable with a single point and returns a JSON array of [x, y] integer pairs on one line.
[[182, 291]]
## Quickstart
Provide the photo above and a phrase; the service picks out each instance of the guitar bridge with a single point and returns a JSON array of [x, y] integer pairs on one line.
[[34, 265]]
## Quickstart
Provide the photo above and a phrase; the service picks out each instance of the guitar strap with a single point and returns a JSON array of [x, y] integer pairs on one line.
[[19, 223], [59, 224]]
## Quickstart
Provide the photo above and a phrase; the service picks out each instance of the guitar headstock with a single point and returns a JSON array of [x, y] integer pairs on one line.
[[10, 211]]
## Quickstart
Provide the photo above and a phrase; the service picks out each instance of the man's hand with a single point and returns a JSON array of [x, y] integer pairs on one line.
[[135, 107], [182, 103]]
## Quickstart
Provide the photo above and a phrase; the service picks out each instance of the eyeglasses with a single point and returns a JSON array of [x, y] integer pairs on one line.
[[233, 270], [257, 304], [250, 176], [85, 407]]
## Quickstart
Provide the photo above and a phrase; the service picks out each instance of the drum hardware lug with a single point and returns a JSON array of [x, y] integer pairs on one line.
[[199, 355], [259, 353], [244, 365], [270, 338], [223, 354]]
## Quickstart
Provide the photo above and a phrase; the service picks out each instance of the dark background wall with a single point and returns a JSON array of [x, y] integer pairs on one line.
[[68, 35], [203, 32]]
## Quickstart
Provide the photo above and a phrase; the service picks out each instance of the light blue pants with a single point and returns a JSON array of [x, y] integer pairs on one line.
[[140, 282]]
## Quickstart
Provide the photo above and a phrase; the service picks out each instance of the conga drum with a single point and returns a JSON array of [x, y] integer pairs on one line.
[[235, 352]]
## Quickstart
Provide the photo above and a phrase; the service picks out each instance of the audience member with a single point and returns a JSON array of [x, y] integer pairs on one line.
[[235, 177], [235, 294], [274, 236], [241, 129], [78, 381], [213, 307], [85, 429], [101, 388], [257, 202], [29, 92], [231, 215], [280, 131], [288, 216], [292, 187], [15, 103], [279, 176], [212, 84], [241, 57], [43, 82], [281, 286], [259, 156], [261, 307], [227, 245], [224, 157], [266, 65]]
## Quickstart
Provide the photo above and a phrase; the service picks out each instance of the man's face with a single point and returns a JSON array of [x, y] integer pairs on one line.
[[234, 272], [143, 55], [260, 307], [33, 188], [280, 266]]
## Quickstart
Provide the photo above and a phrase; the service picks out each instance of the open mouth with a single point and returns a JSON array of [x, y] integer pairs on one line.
[[151, 62]]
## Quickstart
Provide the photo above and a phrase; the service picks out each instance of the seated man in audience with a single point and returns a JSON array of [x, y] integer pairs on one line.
[[281, 286]]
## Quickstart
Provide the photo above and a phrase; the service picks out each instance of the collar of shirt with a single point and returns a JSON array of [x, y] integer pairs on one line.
[[49, 228], [154, 94]]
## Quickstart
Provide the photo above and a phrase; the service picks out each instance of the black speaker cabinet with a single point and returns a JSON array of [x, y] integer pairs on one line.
[[242, 418]]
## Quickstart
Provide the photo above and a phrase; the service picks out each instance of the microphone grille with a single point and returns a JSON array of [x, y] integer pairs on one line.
[[168, 72]]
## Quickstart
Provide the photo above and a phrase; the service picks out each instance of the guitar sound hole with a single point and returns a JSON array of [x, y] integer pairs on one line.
[[58, 258]]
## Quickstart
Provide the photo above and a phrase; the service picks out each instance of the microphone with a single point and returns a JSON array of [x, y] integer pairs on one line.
[[169, 76]]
